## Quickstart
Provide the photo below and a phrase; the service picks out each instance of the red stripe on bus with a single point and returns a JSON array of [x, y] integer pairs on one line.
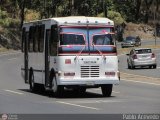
[[108, 53], [82, 26]]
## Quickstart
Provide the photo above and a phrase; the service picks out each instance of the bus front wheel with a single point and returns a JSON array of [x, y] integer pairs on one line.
[[57, 89], [107, 90]]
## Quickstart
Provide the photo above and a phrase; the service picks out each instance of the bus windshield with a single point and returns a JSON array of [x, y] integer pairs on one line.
[[102, 39], [72, 39]]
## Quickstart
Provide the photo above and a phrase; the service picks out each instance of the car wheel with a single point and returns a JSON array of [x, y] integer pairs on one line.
[[129, 67], [133, 67]]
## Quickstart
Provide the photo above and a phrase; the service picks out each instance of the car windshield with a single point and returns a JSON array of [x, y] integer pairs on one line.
[[130, 39], [104, 39], [143, 51], [72, 39]]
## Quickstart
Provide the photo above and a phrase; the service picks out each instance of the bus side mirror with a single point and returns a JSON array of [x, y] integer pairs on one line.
[[54, 33]]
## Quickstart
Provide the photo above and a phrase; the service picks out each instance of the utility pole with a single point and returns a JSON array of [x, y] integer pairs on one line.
[[155, 32], [105, 9], [71, 5], [22, 6], [44, 12]]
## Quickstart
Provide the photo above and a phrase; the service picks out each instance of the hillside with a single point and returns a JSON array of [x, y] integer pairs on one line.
[[9, 39], [144, 31]]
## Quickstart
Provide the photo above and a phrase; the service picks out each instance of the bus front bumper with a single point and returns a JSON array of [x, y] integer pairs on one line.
[[87, 81]]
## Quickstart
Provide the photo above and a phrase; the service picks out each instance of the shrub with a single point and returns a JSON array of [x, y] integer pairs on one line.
[[9, 22], [31, 15], [3, 14], [6, 21], [115, 16]]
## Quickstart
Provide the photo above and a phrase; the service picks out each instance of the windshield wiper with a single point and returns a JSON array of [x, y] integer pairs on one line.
[[104, 57], [79, 52]]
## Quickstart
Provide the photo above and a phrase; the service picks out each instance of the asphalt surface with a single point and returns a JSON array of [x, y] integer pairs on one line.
[[128, 97]]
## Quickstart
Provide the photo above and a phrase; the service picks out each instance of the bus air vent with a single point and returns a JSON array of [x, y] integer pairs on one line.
[[89, 71]]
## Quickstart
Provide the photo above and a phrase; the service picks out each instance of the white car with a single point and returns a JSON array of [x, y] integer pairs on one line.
[[141, 57]]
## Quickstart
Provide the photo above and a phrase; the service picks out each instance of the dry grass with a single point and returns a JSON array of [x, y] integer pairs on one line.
[[2, 49], [144, 31], [1, 29]]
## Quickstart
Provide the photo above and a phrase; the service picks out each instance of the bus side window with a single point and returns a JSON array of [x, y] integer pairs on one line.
[[36, 38], [52, 47], [41, 38], [54, 38], [31, 38], [23, 39]]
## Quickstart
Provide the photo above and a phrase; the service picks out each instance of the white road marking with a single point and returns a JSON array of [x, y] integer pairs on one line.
[[14, 92], [141, 82], [158, 67], [95, 101], [12, 58], [82, 106]]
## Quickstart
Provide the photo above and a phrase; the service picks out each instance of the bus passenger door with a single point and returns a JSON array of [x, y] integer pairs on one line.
[[50, 52], [47, 59], [25, 50]]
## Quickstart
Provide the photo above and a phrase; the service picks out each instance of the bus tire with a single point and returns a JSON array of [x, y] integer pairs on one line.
[[34, 87], [107, 90], [57, 89], [31, 81], [59, 92]]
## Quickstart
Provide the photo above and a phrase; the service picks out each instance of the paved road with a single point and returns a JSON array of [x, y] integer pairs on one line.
[[128, 97]]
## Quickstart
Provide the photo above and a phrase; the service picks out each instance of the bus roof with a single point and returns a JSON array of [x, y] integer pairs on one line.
[[75, 20], [83, 20]]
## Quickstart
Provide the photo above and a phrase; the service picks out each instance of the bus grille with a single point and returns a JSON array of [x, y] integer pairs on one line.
[[89, 71]]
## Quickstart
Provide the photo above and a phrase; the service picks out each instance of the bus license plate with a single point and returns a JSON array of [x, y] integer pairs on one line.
[[90, 83]]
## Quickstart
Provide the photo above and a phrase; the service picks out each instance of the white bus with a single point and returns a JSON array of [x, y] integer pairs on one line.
[[70, 52]]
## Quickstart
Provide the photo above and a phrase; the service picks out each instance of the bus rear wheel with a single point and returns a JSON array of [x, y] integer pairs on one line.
[[107, 90], [32, 85]]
